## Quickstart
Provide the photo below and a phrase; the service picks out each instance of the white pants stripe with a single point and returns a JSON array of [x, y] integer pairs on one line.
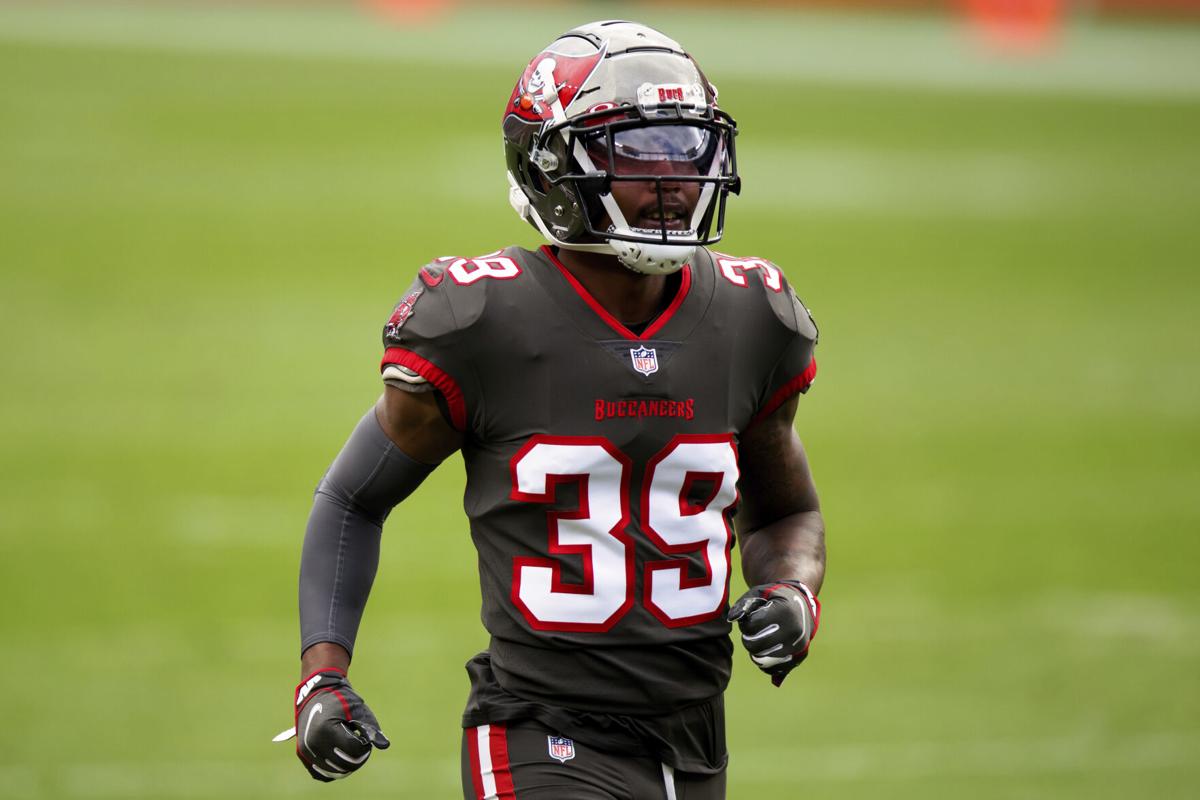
[[669, 781], [487, 777]]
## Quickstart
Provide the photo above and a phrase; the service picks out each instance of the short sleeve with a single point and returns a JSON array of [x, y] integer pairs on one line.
[[796, 368], [422, 345]]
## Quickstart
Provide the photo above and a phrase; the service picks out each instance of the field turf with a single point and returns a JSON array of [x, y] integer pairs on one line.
[[205, 217]]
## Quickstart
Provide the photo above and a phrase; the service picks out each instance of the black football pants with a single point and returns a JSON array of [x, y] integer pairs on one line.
[[527, 761]]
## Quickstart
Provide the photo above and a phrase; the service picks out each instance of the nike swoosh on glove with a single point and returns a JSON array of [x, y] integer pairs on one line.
[[778, 622], [335, 730]]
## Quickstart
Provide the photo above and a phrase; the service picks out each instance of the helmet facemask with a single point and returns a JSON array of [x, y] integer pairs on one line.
[[681, 159]]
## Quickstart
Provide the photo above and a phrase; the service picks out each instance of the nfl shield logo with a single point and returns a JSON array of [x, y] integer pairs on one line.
[[645, 359], [561, 748]]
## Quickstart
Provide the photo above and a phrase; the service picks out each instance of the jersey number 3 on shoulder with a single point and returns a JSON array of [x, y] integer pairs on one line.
[[735, 269], [596, 530], [466, 271]]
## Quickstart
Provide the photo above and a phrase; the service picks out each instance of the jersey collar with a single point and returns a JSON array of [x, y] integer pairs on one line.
[[656, 325]]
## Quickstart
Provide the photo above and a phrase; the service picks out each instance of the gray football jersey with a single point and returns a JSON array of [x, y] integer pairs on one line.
[[601, 464]]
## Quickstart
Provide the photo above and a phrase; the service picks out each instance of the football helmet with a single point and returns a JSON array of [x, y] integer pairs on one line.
[[606, 108]]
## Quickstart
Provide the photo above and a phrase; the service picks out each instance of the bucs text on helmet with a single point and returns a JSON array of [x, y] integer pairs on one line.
[[610, 105]]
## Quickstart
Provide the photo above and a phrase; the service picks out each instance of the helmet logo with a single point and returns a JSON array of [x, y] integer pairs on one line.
[[551, 78], [651, 95]]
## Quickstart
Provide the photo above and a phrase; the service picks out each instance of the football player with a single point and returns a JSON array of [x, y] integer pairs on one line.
[[622, 397]]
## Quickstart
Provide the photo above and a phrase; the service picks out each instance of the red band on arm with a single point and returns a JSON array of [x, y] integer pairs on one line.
[[796, 385], [435, 375]]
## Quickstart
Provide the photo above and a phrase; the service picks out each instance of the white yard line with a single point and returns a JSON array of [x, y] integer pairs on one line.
[[259, 779], [887, 50], [839, 763]]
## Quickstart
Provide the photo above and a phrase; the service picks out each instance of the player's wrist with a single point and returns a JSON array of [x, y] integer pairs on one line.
[[322, 656]]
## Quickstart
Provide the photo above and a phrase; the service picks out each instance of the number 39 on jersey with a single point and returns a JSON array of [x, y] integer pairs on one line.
[[688, 494]]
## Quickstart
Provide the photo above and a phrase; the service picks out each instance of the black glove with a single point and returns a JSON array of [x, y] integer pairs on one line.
[[778, 621], [335, 730]]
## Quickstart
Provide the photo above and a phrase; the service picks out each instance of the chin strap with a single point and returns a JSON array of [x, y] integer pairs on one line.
[[652, 259]]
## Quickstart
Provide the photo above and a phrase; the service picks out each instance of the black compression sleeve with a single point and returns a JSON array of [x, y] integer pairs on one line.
[[341, 544]]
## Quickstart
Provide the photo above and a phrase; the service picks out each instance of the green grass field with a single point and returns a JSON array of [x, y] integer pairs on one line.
[[205, 218]]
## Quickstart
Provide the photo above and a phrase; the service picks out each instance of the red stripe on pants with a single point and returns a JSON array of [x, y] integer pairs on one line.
[[498, 743]]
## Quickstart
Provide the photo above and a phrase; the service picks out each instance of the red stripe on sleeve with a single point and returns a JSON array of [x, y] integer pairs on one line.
[[501, 770], [435, 375], [796, 385]]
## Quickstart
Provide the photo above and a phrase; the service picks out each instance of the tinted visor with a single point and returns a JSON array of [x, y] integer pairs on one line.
[[678, 149]]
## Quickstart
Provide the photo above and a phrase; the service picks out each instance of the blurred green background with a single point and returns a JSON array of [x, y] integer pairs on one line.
[[206, 215]]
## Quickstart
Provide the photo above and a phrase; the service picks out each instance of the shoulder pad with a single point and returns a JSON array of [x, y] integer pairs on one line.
[[403, 378], [803, 324], [448, 307], [758, 273]]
